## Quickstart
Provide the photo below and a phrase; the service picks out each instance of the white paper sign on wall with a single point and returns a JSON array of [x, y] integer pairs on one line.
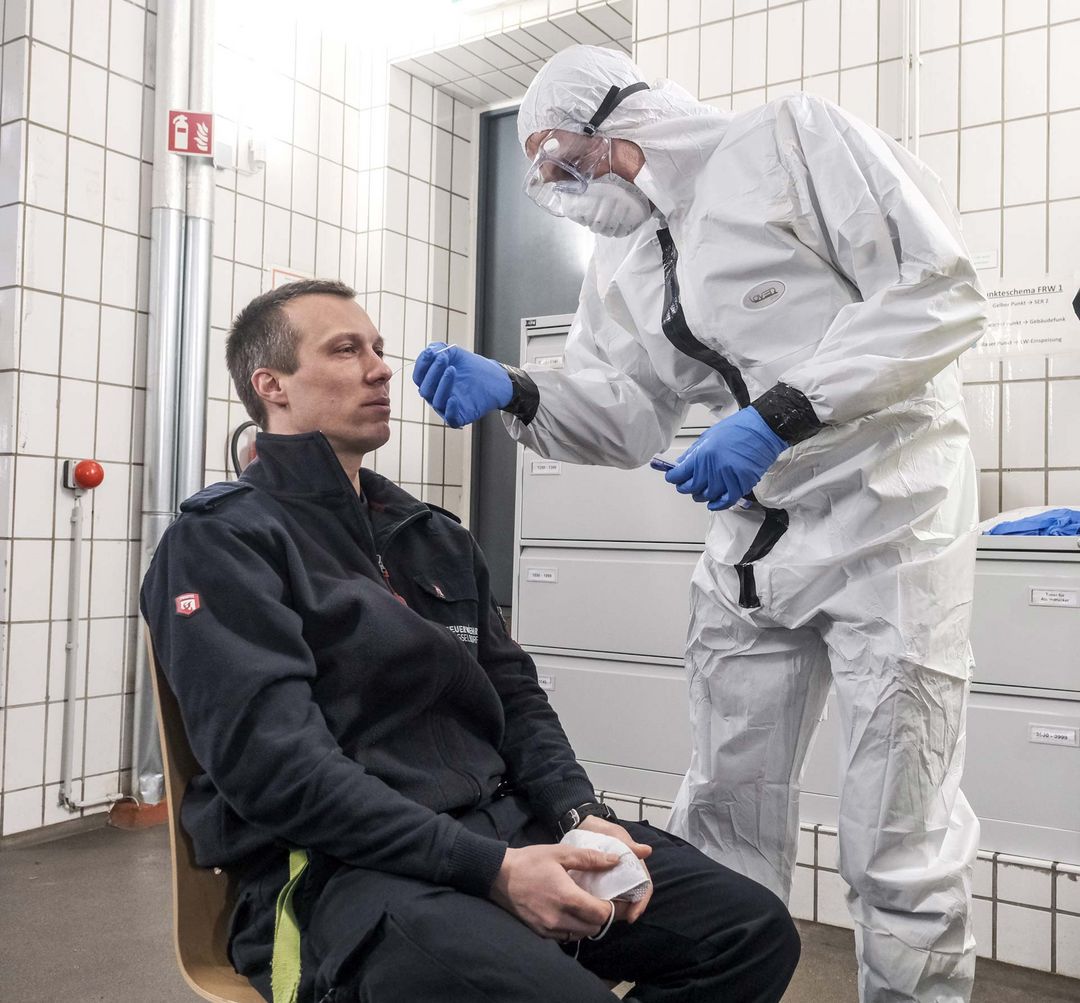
[[1032, 317]]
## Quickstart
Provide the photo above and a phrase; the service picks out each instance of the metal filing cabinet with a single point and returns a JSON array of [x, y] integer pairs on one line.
[[601, 600], [1023, 760], [1022, 773]]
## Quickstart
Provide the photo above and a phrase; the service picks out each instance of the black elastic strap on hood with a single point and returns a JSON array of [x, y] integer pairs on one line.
[[612, 100]]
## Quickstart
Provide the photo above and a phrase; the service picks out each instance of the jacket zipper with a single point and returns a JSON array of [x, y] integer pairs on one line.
[[386, 578]]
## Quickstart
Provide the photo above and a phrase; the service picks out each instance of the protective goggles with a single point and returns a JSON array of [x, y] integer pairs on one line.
[[572, 155]]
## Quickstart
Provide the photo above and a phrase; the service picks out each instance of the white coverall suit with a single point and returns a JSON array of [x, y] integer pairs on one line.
[[795, 245]]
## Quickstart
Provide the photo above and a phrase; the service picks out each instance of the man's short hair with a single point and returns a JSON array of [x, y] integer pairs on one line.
[[261, 336]]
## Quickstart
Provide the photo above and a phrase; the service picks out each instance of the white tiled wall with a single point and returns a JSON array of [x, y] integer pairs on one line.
[[1000, 123], [74, 250]]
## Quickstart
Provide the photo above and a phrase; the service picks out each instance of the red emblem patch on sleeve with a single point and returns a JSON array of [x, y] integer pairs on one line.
[[188, 603]]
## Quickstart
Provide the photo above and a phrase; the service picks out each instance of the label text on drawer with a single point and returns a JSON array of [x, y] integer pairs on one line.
[[549, 361], [546, 681], [546, 467], [1043, 734], [547, 575], [1055, 597]]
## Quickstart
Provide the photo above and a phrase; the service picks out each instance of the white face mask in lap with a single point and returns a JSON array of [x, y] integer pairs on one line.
[[611, 206]]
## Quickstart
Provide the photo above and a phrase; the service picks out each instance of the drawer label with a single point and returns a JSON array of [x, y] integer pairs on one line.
[[547, 682], [1044, 734], [1055, 597], [549, 361], [546, 575], [546, 467]]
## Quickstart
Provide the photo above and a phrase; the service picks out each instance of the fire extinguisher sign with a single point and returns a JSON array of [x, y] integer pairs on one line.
[[191, 133]]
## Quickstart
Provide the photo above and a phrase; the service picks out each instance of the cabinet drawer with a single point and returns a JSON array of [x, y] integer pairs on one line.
[[627, 601], [1017, 643], [573, 501], [620, 713]]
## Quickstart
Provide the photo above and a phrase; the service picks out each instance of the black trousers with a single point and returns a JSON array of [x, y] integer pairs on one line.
[[708, 934]]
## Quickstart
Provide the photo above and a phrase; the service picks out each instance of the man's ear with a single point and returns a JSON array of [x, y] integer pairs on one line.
[[268, 386]]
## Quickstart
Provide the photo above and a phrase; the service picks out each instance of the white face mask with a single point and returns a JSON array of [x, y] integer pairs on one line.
[[611, 206]]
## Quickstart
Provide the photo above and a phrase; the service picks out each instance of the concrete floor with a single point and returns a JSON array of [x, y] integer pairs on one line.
[[86, 919]]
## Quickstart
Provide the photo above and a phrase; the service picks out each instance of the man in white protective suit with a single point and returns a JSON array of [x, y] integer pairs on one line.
[[803, 276]]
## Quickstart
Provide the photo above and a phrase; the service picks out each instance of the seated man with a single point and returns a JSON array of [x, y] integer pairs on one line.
[[349, 687]]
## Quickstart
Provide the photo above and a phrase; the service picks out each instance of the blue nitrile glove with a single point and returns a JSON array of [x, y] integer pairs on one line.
[[727, 460], [460, 385]]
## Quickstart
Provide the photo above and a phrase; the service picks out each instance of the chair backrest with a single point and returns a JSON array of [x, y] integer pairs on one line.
[[203, 898]]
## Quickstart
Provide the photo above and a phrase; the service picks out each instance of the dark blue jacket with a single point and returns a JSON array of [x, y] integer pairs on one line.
[[336, 706]]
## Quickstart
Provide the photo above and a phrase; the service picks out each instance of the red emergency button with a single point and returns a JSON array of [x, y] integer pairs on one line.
[[88, 474]]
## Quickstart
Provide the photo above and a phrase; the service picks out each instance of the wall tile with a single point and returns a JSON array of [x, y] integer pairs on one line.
[[858, 92], [858, 33], [45, 166], [327, 249], [651, 57], [305, 170], [715, 68], [119, 276], [28, 660], [1025, 160], [982, 402], [683, 49], [683, 14], [331, 128], [942, 154], [1064, 153], [1020, 489], [1064, 236], [1023, 937], [980, 82], [88, 102], [1024, 244], [980, 19], [785, 42], [108, 578], [48, 87], [748, 59], [276, 223], [714, 10], [79, 347], [122, 179], [34, 490], [650, 18], [939, 95], [1021, 14], [113, 440], [419, 204], [420, 149], [86, 181], [249, 231], [980, 167], [1025, 74], [88, 40], [40, 337], [821, 37], [1024, 884], [1063, 488], [126, 39], [982, 921], [14, 81], [1064, 66], [110, 504], [30, 561], [78, 416], [939, 24], [37, 414], [22, 810], [43, 233], [123, 131], [831, 904], [1064, 404]]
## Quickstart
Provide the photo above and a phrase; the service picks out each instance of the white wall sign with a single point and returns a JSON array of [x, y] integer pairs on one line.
[[1033, 317]]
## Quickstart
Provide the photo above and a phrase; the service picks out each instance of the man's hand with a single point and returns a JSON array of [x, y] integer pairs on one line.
[[626, 912], [533, 885]]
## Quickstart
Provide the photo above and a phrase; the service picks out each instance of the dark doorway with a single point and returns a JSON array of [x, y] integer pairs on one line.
[[529, 264]]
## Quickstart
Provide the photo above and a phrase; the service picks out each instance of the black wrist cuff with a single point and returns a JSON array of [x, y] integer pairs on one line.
[[526, 397], [788, 413]]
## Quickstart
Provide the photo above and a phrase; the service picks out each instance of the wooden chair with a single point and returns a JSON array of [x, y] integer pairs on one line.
[[203, 898]]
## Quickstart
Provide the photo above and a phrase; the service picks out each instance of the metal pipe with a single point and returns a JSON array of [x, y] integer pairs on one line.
[[916, 68], [905, 76], [198, 252], [168, 200]]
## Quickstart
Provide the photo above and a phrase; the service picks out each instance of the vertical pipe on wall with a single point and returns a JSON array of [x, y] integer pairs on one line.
[[198, 251], [168, 200]]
